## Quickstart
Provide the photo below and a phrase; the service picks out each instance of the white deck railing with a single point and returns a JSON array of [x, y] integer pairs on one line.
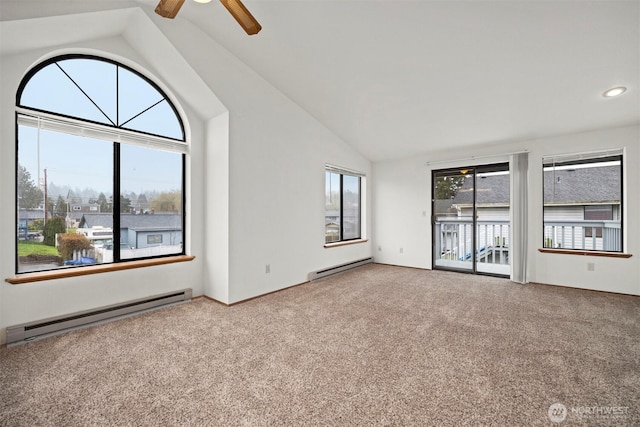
[[453, 238], [583, 235]]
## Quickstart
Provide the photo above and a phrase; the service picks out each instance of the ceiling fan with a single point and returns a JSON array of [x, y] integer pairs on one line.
[[170, 8]]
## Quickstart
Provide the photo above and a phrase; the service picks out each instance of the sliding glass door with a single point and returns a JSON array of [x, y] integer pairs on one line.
[[453, 194], [471, 219]]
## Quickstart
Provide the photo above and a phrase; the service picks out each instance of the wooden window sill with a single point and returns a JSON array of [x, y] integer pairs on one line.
[[347, 242], [95, 269], [588, 253]]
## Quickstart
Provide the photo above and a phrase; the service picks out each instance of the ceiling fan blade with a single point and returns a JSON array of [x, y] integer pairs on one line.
[[169, 8], [243, 16]]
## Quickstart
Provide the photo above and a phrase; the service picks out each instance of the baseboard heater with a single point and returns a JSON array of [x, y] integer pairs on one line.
[[56, 325], [314, 275]]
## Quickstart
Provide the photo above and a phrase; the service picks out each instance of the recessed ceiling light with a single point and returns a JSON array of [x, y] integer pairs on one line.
[[615, 91]]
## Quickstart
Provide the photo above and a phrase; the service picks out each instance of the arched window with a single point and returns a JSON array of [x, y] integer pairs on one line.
[[100, 164]]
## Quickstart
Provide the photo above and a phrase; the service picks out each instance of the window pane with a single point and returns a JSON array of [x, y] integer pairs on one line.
[[332, 207], [150, 202], [68, 181], [103, 92], [51, 90], [143, 108], [350, 207], [583, 205], [97, 79], [135, 95], [159, 120], [72, 172]]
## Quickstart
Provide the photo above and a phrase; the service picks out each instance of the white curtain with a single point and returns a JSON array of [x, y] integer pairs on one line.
[[519, 172]]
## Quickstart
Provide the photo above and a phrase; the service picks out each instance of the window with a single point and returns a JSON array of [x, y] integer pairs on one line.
[[342, 205], [154, 239], [100, 165], [583, 202], [597, 213]]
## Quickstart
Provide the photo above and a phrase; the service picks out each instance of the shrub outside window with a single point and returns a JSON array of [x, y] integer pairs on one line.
[[100, 166]]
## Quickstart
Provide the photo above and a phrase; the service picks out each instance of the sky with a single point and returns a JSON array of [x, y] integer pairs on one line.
[[332, 186], [101, 92], [80, 162]]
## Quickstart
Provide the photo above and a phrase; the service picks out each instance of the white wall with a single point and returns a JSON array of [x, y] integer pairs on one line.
[[402, 209], [277, 155], [216, 207]]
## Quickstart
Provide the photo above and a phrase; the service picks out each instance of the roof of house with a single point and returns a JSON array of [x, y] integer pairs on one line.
[[155, 221], [30, 213], [583, 185], [76, 215], [96, 220], [490, 190], [561, 187], [444, 207]]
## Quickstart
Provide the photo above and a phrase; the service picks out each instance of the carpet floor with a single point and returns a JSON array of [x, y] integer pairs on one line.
[[378, 345]]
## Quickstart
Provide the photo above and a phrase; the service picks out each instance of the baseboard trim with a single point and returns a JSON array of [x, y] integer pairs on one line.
[[403, 266], [251, 298], [208, 298], [583, 289], [268, 293]]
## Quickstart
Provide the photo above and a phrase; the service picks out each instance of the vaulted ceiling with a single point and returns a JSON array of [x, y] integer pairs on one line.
[[395, 78]]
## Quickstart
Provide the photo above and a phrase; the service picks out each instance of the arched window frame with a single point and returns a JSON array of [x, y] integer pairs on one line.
[[37, 68], [117, 134]]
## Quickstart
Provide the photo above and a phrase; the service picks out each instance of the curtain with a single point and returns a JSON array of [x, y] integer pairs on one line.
[[519, 172]]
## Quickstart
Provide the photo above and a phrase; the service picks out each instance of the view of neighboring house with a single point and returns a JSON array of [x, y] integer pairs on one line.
[[351, 224], [72, 219], [77, 210], [582, 208], [581, 211], [25, 217], [454, 224], [140, 231], [492, 197]]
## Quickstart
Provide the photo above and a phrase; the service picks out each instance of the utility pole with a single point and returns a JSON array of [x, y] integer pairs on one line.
[[46, 207], [67, 220]]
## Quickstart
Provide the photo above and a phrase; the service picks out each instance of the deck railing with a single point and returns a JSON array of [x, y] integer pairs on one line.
[[453, 238], [583, 235]]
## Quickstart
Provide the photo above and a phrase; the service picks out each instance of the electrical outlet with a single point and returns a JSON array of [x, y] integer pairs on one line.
[[267, 268], [379, 248], [591, 266], [401, 250]]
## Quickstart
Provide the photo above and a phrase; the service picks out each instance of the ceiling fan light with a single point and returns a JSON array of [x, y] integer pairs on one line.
[[202, 1], [169, 8], [242, 15]]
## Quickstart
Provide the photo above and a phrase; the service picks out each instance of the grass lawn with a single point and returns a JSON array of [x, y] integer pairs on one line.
[[37, 248]]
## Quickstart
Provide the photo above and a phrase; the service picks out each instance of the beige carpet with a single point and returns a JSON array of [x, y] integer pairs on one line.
[[379, 345]]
